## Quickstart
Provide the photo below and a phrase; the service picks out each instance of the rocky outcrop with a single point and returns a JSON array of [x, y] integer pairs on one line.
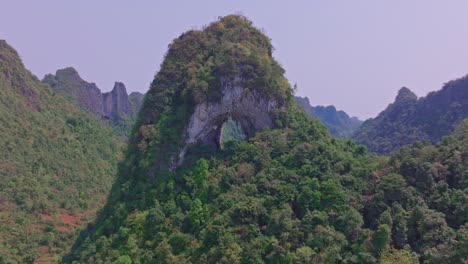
[[68, 83], [115, 103], [110, 105], [250, 109]]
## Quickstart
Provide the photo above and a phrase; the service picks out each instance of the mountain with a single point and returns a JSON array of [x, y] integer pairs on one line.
[[410, 119], [338, 123], [57, 165], [115, 106], [224, 167]]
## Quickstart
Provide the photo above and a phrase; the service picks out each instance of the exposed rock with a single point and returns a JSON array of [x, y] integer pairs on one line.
[[116, 103], [250, 109], [68, 83]]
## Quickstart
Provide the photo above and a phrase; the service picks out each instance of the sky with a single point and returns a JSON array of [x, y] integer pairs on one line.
[[355, 54]]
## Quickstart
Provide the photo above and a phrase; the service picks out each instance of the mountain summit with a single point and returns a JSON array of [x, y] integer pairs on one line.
[[405, 94], [225, 71], [224, 167], [410, 119]]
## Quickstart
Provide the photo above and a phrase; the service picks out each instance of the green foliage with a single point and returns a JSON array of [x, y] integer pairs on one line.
[[381, 239], [410, 119], [283, 195], [57, 165], [422, 196], [403, 256]]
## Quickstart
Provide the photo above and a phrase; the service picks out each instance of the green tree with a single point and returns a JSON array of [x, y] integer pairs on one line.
[[197, 215], [381, 239]]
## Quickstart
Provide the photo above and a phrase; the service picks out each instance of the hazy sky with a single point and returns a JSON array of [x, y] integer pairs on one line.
[[352, 54]]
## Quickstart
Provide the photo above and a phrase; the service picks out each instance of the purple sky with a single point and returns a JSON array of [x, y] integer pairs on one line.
[[352, 54]]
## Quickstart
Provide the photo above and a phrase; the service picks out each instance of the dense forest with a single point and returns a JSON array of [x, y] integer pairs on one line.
[[57, 165], [410, 119], [224, 164], [286, 194]]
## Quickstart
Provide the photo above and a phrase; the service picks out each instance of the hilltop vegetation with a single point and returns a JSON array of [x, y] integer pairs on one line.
[[410, 119], [57, 165], [288, 194]]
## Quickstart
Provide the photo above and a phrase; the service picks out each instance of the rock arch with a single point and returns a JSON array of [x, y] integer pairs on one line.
[[252, 110]]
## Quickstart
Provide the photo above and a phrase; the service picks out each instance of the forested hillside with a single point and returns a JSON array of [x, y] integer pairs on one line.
[[410, 119], [288, 193], [57, 165]]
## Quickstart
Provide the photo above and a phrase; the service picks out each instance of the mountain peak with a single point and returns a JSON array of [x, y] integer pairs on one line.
[[405, 94], [69, 73], [225, 70], [119, 86]]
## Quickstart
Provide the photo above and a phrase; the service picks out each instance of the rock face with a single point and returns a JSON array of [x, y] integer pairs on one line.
[[248, 108], [115, 106], [68, 83], [116, 103], [338, 123]]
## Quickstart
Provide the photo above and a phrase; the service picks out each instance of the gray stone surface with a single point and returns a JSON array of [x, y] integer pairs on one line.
[[250, 109]]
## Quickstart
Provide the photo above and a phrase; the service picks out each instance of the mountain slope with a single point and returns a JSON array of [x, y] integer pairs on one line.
[[339, 124], [115, 106], [180, 197], [56, 165], [410, 119], [278, 189]]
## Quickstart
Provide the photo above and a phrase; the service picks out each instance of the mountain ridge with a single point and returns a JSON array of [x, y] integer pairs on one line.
[[409, 118], [339, 124]]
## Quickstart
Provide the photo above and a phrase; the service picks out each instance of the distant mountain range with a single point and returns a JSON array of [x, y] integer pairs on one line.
[[338, 123], [116, 106], [410, 119]]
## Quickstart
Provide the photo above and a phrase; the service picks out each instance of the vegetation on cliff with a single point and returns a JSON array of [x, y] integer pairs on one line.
[[57, 165], [290, 194]]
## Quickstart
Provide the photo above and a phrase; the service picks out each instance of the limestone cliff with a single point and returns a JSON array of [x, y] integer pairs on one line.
[[115, 103], [68, 83], [251, 109], [115, 106]]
